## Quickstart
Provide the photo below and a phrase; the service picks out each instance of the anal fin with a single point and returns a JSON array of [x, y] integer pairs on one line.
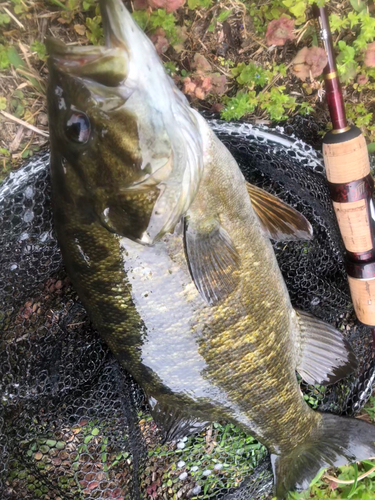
[[325, 355], [173, 424], [279, 221]]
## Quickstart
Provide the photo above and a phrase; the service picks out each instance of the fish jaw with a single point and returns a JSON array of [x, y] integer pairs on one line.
[[145, 69], [104, 65]]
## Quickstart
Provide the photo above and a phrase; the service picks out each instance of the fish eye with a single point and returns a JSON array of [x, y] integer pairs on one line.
[[78, 128]]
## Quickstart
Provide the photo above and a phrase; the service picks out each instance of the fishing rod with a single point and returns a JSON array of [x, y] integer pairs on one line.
[[351, 186]]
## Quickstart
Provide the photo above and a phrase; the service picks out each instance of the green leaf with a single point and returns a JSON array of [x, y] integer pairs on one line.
[[87, 439], [17, 107], [18, 94], [170, 68], [353, 19], [193, 4], [141, 17], [40, 49], [276, 12], [276, 103], [224, 15], [3, 103], [5, 152], [14, 58], [335, 22], [26, 153], [358, 5], [160, 19], [73, 5], [87, 4], [353, 488], [95, 34], [242, 104], [18, 63], [4, 19], [360, 44], [371, 149], [95, 431], [250, 74], [59, 4], [81, 449], [4, 59], [368, 27], [19, 9], [347, 53], [298, 9]]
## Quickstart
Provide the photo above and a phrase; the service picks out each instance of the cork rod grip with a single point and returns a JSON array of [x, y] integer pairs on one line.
[[346, 163], [351, 187], [363, 296]]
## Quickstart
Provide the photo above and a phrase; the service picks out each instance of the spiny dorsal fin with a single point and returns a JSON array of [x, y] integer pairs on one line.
[[279, 221], [213, 260], [325, 356]]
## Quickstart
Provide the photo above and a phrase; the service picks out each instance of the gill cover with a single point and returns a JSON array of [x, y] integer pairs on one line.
[[169, 112]]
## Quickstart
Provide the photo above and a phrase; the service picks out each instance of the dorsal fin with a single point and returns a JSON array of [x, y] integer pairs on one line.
[[278, 220]]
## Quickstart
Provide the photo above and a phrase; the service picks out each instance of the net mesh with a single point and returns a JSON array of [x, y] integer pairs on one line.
[[73, 423]]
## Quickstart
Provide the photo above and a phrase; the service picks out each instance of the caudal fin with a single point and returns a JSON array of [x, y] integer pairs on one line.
[[338, 441]]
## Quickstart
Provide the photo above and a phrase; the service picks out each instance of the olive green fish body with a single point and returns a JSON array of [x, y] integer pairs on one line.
[[144, 302]]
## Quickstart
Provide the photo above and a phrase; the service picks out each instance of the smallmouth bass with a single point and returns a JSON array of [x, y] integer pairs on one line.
[[169, 251]]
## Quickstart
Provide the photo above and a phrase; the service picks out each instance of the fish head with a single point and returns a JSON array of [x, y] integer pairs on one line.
[[122, 129]]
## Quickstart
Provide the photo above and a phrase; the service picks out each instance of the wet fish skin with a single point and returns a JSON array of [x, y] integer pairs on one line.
[[127, 167]]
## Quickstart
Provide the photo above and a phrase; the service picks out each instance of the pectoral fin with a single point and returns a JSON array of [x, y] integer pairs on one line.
[[325, 356], [173, 424], [212, 258], [279, 221]]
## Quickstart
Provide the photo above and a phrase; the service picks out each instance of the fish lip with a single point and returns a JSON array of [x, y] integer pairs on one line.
[[67, 56], [103, 65], [113, 13], [106, 64], [114, 19]]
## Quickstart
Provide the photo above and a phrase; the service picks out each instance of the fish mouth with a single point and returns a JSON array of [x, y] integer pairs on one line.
[[106, 65], [115, 25], [150, 181]]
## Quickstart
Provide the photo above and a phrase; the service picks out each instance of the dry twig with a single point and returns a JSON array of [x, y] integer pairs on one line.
[[25, 124], [10, 14]]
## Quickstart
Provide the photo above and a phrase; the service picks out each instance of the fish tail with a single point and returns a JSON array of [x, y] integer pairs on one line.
[[337, 441]]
